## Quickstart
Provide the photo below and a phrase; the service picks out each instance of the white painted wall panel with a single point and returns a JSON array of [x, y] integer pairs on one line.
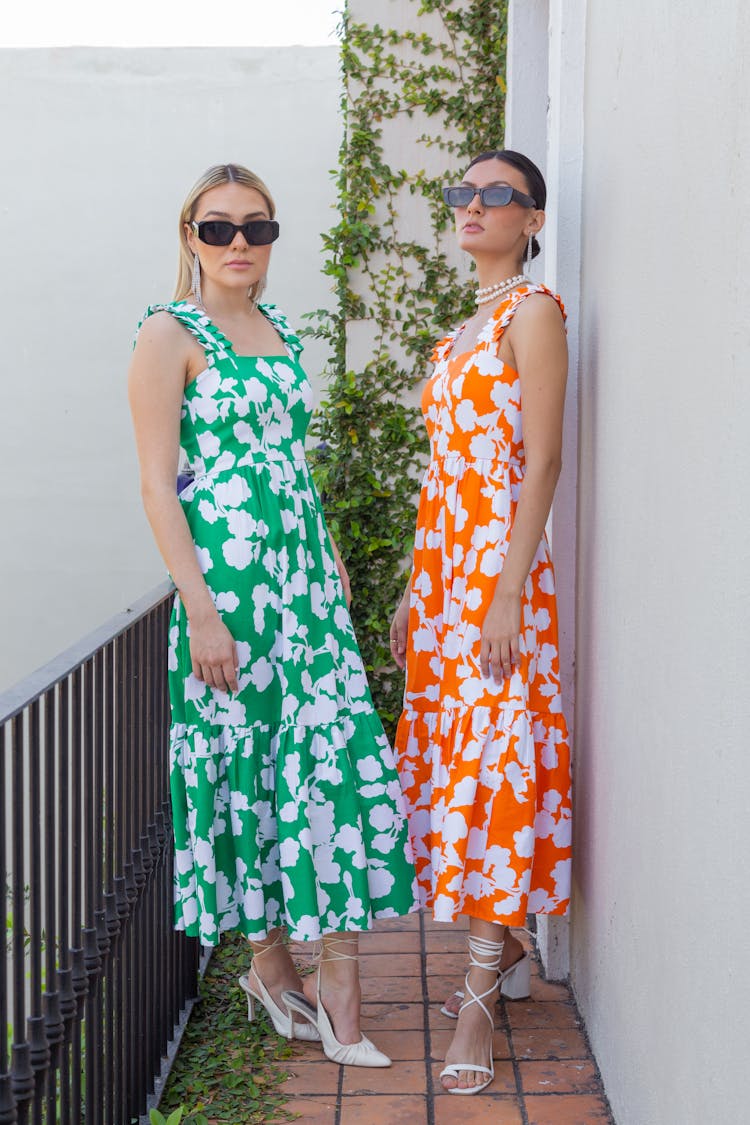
[[99, 148], [661, 908]]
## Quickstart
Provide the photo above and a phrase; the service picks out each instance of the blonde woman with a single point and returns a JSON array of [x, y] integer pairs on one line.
[[287, 807]]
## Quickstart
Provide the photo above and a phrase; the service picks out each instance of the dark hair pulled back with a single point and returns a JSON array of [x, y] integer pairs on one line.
[[535, 184]]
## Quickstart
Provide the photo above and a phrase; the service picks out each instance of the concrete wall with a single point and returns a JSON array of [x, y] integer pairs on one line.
[[99, 148], [663, 765], [403, 148], [662, 779], [544, 119]]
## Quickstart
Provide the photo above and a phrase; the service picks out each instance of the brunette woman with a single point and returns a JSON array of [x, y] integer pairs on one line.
[[482, 744]]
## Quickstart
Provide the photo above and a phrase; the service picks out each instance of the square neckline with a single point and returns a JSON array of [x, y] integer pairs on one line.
[[452, 355], [286, 354], [481, 339], [508, 304]]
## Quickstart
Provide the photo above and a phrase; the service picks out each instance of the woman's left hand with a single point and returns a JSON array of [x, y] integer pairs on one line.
[[500, 648], [342, 573]]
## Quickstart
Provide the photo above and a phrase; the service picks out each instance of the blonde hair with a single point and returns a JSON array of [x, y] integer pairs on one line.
[[214, 176]]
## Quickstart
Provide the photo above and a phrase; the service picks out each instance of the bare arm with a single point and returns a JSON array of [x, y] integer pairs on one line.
[[541, 359], [156, 383], [399, 631], [343, 572]]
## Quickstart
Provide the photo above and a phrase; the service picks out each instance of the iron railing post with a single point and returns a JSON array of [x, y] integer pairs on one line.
[[93, 977]]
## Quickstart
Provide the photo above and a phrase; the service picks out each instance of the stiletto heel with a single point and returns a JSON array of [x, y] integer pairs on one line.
[[492, 951], [245, 986], [363, 1053], [281, 1019]]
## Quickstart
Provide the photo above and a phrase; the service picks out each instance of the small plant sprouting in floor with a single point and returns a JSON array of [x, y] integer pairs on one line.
[[228, 1070], [173, 1119]]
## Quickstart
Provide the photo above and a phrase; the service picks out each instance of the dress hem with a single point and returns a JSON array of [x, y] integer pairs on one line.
[[515, 921], [261, 935], [411, 714]]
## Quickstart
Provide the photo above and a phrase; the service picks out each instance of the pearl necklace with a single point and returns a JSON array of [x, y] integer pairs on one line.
[[490, 292]]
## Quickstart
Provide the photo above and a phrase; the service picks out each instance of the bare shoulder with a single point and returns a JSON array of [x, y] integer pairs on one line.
[[164, 355], [537, 336], [165, 349], [160, 330], [538, 329], [540, 311]]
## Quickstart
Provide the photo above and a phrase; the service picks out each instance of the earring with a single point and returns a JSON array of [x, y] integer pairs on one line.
[[256, 291], [197, 280], [529, 250]]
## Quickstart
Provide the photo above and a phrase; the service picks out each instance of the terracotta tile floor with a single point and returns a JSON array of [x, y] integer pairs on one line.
[[544, 1071]]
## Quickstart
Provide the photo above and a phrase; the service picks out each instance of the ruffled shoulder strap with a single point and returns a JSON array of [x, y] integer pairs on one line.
[[281, 324], [212, 340], [502, 318], [443, 347]]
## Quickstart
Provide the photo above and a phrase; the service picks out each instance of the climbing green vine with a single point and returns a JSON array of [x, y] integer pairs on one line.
[[443, 81]]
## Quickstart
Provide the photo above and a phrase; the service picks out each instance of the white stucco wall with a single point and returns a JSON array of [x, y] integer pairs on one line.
[[661, 908], [99, 148], [544, 120], [662, 775], [404, 149]]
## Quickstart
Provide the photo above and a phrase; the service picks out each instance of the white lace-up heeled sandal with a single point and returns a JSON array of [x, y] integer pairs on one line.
[[491, 952], [363, 1053], [515, 984], [281, 1018]]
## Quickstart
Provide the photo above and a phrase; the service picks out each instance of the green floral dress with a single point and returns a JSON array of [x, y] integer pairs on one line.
[[286, 801]]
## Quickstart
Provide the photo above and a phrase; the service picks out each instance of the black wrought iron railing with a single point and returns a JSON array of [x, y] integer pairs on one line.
[[93, 979]]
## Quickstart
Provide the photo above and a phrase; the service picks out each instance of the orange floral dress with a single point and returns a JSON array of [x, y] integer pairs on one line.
[[485, 766]]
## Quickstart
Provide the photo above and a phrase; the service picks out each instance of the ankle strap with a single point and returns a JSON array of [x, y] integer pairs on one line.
[[491, 951], [329, 952], [259, 950]]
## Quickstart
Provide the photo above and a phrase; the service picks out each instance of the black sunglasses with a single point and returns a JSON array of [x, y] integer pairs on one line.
[[220, 232], [498, 195]]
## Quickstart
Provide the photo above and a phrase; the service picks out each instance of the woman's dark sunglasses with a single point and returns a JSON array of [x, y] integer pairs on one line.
[[220, 232], [498, 195]]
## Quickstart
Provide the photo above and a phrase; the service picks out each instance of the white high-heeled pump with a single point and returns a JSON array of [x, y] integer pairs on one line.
[[492, 952], [363, 1053], [281, 1019], [515, 984]]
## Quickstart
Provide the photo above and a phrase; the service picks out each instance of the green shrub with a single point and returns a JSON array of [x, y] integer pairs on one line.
[[372, 442]]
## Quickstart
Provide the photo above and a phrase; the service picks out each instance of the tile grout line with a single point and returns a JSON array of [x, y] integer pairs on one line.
[[426, 1017], [516, 1068], [339, 1097]]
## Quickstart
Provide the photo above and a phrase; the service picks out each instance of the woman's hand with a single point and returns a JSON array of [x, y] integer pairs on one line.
[[400, 631], [500, 648], [343, 575], [213, 652]]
